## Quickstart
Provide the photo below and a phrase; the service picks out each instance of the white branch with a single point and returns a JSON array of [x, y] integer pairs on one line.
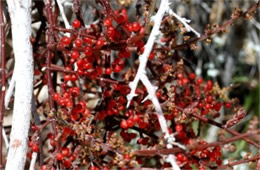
[[65, 20], [184, 21], [33, 161], [148, 48], [10, 90], [162, 121], [5, 138], [141, 75], [152, 96], [20, 14]]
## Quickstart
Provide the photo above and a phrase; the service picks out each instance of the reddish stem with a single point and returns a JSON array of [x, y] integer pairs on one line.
[[196, 146], [242, 161], [60, 29], [229, 140], [233, 132], [50, 45]]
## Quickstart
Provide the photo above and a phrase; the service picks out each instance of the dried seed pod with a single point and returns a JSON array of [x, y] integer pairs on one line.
[[236, 118]]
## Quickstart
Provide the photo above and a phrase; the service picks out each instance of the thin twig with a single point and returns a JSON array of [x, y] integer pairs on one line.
[[229, 140], [217, 29], [50, 33], [253, 158], [184, 21], [206, 120], [65, 20], [5, 138]]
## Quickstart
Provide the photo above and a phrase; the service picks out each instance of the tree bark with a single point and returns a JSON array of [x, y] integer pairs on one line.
[[20, 14]]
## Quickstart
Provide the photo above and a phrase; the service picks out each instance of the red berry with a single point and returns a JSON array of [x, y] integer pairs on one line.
[[136, 26], [53, 142], [87, 65], [59, 157], [180, 157], [219, 161], [69, 103], [228, 105], [205, 111], [87, 40], [86, 113], [130, 123], [76, 23], [184, 81], [88, 51], [166, 67], [127, 157], [105, 168], [108, 71], [158, 93], [142, 124], [208, 106], [123, 124], [124, 54], [209, 99], [179, 83], [192, 76], [65, 40], [180, 76], [108, 22], [74, 54], [209, 85], [142, 49], [78, 42], [100, 43], [67, 163], [30, 144], [117, 69], [66, 95], [93, 168], [136, 118], [151, 56], [217, 106], [72, 157], [74, 77], [50, 136], [74, 91], [34, 127], [67, 77], [55, 96], [121, 18], [199, 81], [202, 167], [44, 167], [35, 148], [111, 32], [65, 151], [178, 127]]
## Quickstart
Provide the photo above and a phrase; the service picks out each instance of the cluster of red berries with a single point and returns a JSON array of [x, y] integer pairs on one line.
[[130, 122], [78, 109], [65, 157], [88, 56], [193, 89]]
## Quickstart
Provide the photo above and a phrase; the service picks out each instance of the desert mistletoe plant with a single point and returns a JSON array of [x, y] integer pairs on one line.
[[108, 85]]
